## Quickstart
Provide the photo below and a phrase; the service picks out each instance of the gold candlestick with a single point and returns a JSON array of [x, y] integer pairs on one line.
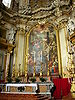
[[41, 69], [48, 70], [19, 69], [34, 70]]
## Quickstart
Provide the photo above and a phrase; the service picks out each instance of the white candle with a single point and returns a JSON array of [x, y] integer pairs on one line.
[[41, 56], [68, 48]]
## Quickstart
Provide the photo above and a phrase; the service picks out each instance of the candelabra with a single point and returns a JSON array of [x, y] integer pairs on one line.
[[71, 65]]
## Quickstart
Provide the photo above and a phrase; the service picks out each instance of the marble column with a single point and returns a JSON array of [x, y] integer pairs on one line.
[[19, 52]]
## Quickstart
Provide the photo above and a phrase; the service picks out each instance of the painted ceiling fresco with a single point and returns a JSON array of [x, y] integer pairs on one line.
[[42, 50]]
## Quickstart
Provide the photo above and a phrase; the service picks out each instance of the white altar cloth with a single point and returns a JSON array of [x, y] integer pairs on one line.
[[20, 85]]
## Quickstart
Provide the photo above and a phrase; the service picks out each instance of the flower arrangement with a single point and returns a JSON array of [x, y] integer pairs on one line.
[[9, 80], [17, 80], [33, 79], [43, 79]]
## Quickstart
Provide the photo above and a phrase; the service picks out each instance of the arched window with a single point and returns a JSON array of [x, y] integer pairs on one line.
[[7, 3]]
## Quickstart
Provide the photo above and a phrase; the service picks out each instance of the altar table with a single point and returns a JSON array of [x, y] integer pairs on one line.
[[34, 86], [20, 85]]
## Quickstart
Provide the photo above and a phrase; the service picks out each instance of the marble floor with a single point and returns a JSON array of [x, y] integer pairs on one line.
[[70, 96]]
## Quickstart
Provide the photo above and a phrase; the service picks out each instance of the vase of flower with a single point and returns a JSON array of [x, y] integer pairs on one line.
[[42, 79], [33, 80]]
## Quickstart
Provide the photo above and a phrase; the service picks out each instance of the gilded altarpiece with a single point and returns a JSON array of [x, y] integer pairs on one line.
[[42, 50]]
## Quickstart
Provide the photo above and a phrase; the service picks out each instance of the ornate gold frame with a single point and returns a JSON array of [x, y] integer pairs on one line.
[[26, 51]]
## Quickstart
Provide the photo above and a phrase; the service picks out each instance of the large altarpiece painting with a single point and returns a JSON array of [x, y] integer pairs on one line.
[[42, 50]]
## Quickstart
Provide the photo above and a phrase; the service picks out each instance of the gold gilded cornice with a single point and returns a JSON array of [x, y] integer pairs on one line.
[[4, 45]]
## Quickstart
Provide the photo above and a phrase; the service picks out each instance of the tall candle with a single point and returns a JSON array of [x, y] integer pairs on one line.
[[48, 53], [34, 56], [45, 65], [41, 56], [48, 57]]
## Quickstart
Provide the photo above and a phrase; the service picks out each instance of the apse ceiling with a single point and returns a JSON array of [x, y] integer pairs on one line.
[[34, 6], [23, 12]]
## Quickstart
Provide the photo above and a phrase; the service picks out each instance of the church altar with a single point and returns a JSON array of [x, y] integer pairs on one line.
[[20, 85], [35, 87]]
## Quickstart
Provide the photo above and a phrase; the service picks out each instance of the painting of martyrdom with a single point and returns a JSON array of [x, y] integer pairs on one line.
[[42, 50]]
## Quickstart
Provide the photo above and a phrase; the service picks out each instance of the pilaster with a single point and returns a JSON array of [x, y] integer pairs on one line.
[[59, 51]]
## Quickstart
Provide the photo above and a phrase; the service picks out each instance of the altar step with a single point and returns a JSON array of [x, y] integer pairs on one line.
[[8, 96], [43, 97], [12, 96]]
